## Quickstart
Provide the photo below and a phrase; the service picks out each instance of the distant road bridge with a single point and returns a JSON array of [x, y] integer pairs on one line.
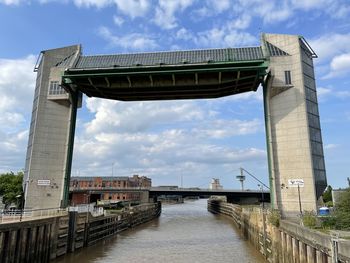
[[234, 196]]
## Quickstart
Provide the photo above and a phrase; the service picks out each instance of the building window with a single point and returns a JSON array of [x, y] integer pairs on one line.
[[56, 89], [287, 77]]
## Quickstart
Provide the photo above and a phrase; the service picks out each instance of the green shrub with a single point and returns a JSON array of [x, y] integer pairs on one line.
[[328, 222], [342, 212], [329, 204], [309, 219], [327, 195], [274, 218]]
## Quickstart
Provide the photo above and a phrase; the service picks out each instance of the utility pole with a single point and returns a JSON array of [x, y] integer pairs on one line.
[[301, 211]]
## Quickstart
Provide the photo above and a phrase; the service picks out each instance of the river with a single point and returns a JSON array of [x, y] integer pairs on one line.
[[183, 233]]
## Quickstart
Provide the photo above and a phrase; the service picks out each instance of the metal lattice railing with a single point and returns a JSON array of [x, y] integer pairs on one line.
[[8, 216]]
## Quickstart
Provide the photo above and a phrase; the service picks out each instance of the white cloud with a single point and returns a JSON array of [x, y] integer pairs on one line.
[[219, 6], [12, 150], [269, 12], [223, 37], [93, 3], [343, 94], [323, 92], [211, 8], [340, 66], [17, 88], [133, 8], [241, 22], [277, 11], [219, 129], [11, 2], [139, 116], [330, 45], [157, 153], [336, 9], [161, 138], [331, 146], [133, 41], [309, 4], [166, 10], [17, 82], [119, 21], [333, 52], [326, 93], [341, 11], [184, 34]]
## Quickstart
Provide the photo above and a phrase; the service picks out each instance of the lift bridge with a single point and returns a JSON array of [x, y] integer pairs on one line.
[[282, 65]]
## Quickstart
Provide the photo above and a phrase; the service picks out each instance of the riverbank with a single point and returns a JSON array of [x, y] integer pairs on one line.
[[286, 243]]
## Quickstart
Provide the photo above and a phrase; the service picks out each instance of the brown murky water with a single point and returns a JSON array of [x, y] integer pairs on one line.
[[183, 233]]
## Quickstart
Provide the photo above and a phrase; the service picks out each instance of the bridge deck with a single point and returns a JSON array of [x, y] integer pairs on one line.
[[169, 75]]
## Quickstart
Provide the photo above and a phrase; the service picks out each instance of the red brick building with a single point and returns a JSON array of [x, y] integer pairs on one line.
[[84, 190]]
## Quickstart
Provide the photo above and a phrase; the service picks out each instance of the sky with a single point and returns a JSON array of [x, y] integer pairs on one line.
[[174, 142]]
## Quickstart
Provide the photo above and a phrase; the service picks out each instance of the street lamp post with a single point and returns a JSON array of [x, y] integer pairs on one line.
[[20, 199]]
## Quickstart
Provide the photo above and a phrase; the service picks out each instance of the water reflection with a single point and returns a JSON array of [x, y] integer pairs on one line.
[[183, 233]]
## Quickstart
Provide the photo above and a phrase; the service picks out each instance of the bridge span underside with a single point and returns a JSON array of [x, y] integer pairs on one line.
[[233, 196], [283, 65], [194, 74]]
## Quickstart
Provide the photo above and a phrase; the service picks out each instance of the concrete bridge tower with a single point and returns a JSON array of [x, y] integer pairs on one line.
[[294, 141], [50, 145]]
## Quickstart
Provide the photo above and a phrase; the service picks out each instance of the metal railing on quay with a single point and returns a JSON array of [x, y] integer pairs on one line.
[[8, 216]]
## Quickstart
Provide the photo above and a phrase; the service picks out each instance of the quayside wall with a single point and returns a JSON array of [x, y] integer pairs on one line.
[[45, 239], [288, 243]]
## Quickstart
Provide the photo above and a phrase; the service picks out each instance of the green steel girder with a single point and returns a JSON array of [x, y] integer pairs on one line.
[[118, 82], [160, 70]]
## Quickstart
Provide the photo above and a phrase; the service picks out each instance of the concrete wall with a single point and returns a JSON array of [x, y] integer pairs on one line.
[[294, 135], [45, 239], [33, 241], [48, 146]]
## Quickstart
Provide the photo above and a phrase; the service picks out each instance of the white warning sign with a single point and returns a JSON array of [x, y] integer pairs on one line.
[[295, 182]]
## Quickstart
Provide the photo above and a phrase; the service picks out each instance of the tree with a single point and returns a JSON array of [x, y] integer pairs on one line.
[[11, 188], [342, 211], [327, 196]]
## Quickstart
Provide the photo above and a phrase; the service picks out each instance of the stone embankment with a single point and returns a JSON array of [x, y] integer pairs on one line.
[[288, 243], [45, 239]]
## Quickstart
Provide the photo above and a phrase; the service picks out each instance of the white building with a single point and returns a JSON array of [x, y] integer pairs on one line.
[[215, 184]]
